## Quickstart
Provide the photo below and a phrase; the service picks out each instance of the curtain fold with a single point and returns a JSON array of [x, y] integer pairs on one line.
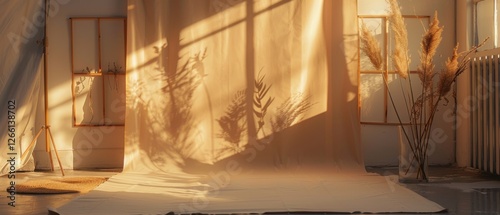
[[269, 85], [20, 73]]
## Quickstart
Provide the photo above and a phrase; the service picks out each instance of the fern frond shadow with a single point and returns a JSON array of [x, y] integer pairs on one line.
[[290, 111], [259, 100], [233, 123]]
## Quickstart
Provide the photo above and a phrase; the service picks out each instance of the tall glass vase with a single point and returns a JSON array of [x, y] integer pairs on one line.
[[412, 168]]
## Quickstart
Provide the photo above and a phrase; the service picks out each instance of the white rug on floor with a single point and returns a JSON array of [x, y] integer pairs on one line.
[[222, 193]]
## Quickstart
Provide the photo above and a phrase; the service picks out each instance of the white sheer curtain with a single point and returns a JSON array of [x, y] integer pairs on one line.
[[20, 73], [269, 84]]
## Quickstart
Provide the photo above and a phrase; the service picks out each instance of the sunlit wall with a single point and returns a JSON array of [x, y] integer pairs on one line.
[[78, 147]]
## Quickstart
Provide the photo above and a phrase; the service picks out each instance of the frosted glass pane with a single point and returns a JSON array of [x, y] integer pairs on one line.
[[113, 45], [401, 97], [372, 98], [377, 26], [416, 29], [88, 99], [85, 46], [485, 23], [115, 99]]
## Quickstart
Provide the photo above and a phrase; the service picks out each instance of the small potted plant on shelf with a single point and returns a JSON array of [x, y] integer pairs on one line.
[[115, 71], [88, 70]]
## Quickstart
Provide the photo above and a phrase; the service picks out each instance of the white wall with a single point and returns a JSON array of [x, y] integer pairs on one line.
[[486, 23], [464, 37], [380, 142], [78, 147]]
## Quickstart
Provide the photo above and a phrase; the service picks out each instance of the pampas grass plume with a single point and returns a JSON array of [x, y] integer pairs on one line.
[[432, 37], [430, 42], [371, 47], [449, 74], [400, 56]]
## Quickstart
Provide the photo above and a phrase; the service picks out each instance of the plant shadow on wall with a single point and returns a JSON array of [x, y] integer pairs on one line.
[[171, 125], [99, 92], [166, 124], [168, 118], [233, 126], [233, 123], [85, 87], [170, 121], [421, 101]]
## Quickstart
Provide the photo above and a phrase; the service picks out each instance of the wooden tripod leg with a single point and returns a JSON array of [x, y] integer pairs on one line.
[[55, 150], [47, 147], [51, 161], [31, 145]]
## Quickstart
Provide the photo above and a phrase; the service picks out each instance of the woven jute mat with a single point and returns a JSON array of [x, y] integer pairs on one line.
[[59, 185]]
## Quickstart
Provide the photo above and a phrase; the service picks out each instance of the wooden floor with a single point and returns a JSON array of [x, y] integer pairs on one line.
[[39, 204], [459, 190]]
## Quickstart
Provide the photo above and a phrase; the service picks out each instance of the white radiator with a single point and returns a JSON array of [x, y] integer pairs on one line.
[[485, 111]]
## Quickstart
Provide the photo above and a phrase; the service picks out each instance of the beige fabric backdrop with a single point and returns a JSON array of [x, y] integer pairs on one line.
[[192, 77], [197, 140], [21, 70]]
